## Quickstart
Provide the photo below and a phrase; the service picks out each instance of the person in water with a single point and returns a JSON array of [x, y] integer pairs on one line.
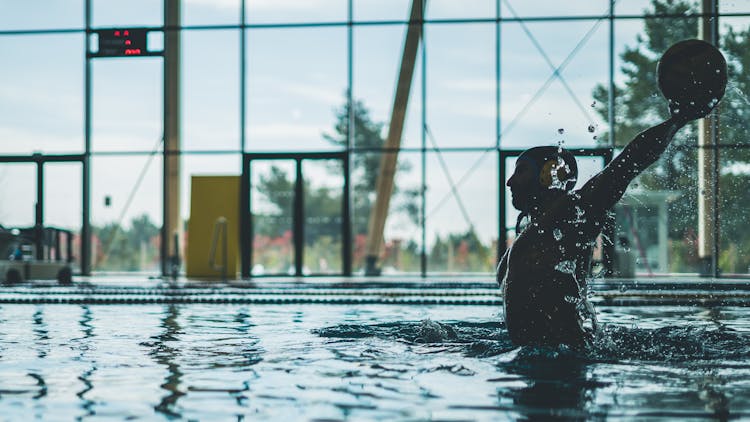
[[543, 274]]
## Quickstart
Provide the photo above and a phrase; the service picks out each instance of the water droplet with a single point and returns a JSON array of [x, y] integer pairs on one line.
[[594, 103], [557, 233], [561, 131], [567, 267], [594, 137], [623, 288], [592, 128]]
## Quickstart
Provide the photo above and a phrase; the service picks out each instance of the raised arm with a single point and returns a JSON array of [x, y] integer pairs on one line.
[[607, 187]]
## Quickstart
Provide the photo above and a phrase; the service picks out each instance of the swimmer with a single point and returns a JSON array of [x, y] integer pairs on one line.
[[543, 274]]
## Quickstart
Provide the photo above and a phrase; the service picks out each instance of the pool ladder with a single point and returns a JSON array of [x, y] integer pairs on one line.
[[220, 230]]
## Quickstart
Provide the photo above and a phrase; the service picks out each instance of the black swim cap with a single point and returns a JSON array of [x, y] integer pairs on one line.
[[553, 174]]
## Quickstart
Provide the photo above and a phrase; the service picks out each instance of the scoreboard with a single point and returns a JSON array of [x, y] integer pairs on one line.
[[130, 42]]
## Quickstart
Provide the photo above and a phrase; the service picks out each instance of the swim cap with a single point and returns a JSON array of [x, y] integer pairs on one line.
[[556, 167]]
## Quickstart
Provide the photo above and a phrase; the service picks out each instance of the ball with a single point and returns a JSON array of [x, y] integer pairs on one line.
[[692, 75]]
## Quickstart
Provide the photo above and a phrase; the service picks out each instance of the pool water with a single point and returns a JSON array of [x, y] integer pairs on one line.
[[366, 362]]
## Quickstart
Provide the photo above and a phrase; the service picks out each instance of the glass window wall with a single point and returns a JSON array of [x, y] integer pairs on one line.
[[490, 76]]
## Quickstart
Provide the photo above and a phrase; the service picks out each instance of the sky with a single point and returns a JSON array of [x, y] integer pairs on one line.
[[296, 79]]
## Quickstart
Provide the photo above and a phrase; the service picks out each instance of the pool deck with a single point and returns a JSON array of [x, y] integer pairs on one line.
[[434, 290]]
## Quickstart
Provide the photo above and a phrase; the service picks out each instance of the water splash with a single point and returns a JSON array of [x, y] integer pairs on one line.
[[433, 332], [611, 343], [557, 234], [567, 267], [580, 213]]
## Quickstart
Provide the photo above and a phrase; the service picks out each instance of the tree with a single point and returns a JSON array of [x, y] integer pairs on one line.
[[638, 106], [461, 252], [322, 205], [369, 140], [133, 249]]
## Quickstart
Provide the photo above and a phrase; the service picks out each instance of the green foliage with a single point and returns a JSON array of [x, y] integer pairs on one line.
[[461, 252], [369, 140], [638, 105], [123, 249], [322, 206]]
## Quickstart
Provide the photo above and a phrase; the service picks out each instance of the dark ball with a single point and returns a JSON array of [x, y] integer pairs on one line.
[[692, 75]]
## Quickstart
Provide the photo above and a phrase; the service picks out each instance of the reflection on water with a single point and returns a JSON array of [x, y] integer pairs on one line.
[[87, 329], [372, 362], [165, 355]]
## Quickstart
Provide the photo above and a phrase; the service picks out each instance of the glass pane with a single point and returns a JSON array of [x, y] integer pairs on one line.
[[41, 94], [211, 90], [734, 241], [658, 214], [371, 10], [323, 212], [121, 13], [57, 14], [639, 44], [402, 245], [294, 11], [734, 6], [272, 215], [541, 107], [296, 81], [633, 7], [17, 195], [208, 12], [461, 86], [734, 203], [127, 105], [63, 207], [205, 165], [126, 212], [461, 212], [466, 9], [520, 8], [377, 62]]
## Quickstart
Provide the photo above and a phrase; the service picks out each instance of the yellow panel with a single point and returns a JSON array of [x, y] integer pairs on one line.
[[212, 197]]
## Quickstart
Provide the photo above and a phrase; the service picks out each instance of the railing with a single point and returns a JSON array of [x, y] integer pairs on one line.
[[220, 229]]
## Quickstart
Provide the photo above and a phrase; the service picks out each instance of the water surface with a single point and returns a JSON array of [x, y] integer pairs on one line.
[[369, 362]]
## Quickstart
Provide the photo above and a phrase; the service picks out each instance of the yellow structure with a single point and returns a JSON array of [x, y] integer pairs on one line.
[[211, 198]]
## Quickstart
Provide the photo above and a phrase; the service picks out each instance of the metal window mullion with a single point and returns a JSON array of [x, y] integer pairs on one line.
[[423, 222], [85, 163]]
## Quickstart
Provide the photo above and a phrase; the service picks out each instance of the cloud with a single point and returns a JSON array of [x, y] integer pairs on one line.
[[285, 131], [318, 93], [24, 141]]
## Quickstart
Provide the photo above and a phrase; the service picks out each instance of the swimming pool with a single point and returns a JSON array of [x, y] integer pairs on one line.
[[365, 361]]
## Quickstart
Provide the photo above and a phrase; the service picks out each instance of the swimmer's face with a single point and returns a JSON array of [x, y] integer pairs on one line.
[[523, 184]]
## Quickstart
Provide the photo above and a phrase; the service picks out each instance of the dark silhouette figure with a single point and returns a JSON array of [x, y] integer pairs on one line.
[[544, 273]]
